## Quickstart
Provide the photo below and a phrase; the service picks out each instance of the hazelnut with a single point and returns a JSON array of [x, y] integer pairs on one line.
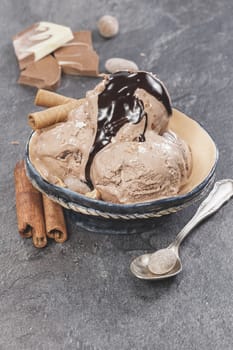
[[108, 26]]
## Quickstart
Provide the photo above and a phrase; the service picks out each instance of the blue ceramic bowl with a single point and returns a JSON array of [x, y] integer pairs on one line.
[[104, 217]]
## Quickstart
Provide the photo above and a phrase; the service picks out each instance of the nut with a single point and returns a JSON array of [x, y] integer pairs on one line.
[[113, 65], [108, 26]]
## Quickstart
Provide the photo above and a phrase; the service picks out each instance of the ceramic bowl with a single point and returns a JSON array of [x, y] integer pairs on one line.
[[100, 216]]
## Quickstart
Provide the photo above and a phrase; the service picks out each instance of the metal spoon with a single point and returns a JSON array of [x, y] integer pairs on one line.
[[166, 262]]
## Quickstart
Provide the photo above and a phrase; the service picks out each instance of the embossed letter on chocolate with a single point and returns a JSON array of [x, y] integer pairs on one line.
[[77, 57], [39, 40]]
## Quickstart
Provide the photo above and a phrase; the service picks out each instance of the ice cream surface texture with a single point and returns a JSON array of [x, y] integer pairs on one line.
[[117, 142]]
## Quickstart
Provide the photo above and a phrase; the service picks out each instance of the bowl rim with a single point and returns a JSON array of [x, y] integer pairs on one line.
[[69, 196]]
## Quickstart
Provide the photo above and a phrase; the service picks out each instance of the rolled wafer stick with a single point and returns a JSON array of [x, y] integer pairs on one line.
[[48, 99], [54, 220], [29, 208], [53, 115]]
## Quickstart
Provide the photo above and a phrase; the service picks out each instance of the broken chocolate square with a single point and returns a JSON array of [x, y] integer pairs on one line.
[[78, 57], [43, 74]]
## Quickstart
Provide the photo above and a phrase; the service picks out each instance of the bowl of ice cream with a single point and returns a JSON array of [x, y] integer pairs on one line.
[[123, 157]]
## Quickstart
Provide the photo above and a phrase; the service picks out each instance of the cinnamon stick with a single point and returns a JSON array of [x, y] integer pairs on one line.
[[54, 220], [53, 115], [48, 99], [29, 208]]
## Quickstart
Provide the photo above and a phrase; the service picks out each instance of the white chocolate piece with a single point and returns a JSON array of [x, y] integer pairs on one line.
[[39, 40]]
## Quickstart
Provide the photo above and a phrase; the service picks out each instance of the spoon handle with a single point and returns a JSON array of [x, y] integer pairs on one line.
[[221, 193]]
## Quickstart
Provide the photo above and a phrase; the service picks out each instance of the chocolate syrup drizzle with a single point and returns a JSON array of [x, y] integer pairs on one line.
[[117, 105]]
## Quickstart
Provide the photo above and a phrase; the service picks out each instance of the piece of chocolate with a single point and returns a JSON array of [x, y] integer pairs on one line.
[[43, 74], [78, 56], [82, 37], [39, 40]]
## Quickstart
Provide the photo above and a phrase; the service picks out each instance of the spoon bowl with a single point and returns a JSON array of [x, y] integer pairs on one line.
[[139, 267]]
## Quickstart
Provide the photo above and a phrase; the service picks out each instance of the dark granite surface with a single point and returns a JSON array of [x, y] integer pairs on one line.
[[81, 295]]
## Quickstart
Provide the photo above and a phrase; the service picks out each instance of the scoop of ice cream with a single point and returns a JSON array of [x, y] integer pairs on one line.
[[60, 152], [130, 172]]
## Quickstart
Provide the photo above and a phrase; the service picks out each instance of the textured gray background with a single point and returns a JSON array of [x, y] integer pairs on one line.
[[81, 295]]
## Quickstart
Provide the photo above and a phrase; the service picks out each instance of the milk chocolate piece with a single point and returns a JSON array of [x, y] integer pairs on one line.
[[82, 37], [78, 57], [39, 40], [45, 73]]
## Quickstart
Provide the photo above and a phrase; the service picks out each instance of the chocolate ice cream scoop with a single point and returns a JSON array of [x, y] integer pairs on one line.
[[60, 152], [130, 172]]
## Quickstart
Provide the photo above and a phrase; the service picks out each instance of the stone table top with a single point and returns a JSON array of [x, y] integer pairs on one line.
[[81, 294]]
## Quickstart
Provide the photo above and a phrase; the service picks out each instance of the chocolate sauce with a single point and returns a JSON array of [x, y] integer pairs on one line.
[[117, 105]]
